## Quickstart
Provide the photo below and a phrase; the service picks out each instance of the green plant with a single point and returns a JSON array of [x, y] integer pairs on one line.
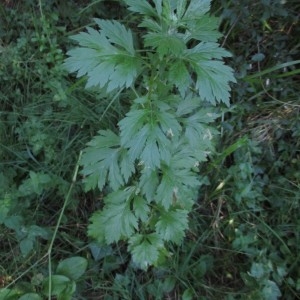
[[63, 282], [150, 165]]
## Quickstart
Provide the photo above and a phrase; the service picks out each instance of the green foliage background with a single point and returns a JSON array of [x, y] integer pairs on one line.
[[243, 237]]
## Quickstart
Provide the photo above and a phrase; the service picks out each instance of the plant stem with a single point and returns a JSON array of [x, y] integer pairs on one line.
[[58, 223]]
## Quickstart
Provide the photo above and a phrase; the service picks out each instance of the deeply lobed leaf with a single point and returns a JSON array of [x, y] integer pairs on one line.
[[107, 57], [104, 160], [145, 134], [116, 220], [145, 249], [172, 225]]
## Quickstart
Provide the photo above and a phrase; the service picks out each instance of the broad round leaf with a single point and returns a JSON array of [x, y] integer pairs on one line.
[[30, 296], [73, 267], [60, 284]]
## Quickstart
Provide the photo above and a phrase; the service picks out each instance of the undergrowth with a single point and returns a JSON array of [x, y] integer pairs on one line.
[[242, 236]]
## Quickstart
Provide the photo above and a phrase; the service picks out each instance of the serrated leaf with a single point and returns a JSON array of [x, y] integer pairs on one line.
[[141, 6], [151, 25], [104, 160], [206, 51], [209, 29], [158, 6], [145, 135], [197, 9], [177, 184], [107, 56], [171, 225], [141, 208], [145, 249], [165, 43], [198, 133], [188, 105], [73, 267], [116, 220], [213, 76], [126, 165], [179, 76], [213, 81], [117, 34], [148, 183], [96, 228]]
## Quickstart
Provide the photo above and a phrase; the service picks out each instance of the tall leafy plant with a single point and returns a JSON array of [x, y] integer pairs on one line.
[[172, 64]]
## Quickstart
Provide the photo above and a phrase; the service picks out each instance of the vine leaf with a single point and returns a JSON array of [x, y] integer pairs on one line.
[[107, 56]]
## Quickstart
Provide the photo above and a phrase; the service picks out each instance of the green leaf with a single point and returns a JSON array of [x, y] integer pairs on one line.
[[148, 183], [14, 222], [141, 208], [171, 225], [141, 6], [165, 43], [177, 185], [213, 79], [257, 270], [145, 249], [5, 205], [26, 245], [104, 160], [117, 34], [198, 134], [31, 296], [197, 9], [271, 291], [99, 251], [39, 181], [209, 29], [151, 25], [60, 285], [188, 105], [188, 294], [143, 139], [9, 294], [213, 76], [145, 135], [107, 56], [37, 231], [116, 220], [169, 284], [179, 76], [73, 267]]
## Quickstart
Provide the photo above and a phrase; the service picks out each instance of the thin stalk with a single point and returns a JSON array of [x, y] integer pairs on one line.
[[49, 253]]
